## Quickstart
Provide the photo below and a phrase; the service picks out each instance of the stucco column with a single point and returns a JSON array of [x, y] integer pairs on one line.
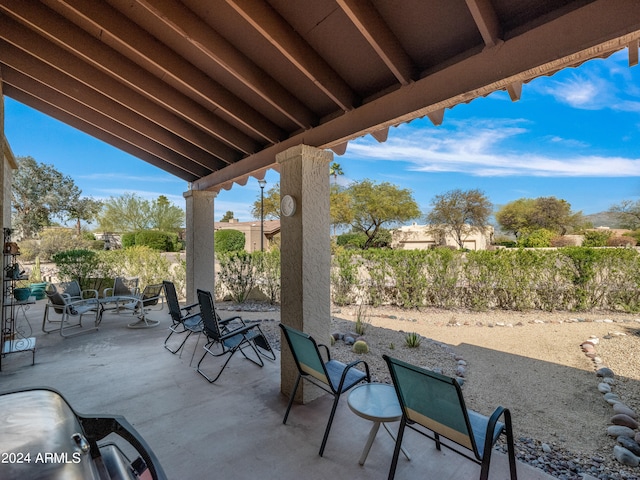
[[306, 254], [199, 242]]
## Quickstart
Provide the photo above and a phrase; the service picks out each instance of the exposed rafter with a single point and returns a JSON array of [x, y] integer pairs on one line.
[[279, 33], [214, 46], [139, 44], [487, 21], [92, 52], [380, 37]]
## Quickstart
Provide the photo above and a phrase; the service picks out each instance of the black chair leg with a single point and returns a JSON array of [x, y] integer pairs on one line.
[[396, 450], [293, 395], [326, 432]]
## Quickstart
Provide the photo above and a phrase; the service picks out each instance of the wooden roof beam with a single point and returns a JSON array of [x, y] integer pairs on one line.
[[139, 43], [487, 21], [146, 150], [195, 31], [279, 33], [62, 32], [378, 34], [104, 107], [20, 45]]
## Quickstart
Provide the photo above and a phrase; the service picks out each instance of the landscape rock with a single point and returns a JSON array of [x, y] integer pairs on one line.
[[625, 457], [630, 445], [604, 387], [625, 410], [605, 372], [625, 420], [620, 431]]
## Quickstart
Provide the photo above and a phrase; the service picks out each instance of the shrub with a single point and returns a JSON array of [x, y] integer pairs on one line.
[[228, 241], [161, 241], [351, 240], [536, 239], [596, 238], [237, 273], [360, 347], [268, 273], [412, 340], [148, 264], [128, 239], [79, 265], [623, 241]]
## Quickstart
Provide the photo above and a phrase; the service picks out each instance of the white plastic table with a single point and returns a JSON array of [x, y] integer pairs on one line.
[[376, 402]]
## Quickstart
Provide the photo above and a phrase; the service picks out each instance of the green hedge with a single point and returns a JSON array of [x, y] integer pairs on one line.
[[228, 240], [570, 278], [162, 241]]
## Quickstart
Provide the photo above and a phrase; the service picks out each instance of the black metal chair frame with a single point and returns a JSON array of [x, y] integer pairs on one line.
[[222, 341], [333, 377], [487, 436], [183, 319]]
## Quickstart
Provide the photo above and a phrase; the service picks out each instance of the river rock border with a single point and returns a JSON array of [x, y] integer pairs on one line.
[[624, 421]]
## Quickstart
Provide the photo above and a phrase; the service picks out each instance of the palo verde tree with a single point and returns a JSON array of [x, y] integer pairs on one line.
[[39, 194], [458, 212], [367, 206], [129, 212]]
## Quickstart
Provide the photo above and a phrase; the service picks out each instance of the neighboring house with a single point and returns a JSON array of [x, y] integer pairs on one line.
[[415, 237], [251, 230]]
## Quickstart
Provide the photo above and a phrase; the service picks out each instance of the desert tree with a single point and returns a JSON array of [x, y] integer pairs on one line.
[[526, 215], [83, 209], [627, 213], [39, 194], [367, 206], [459, 212], [227, 216], [271, 204]]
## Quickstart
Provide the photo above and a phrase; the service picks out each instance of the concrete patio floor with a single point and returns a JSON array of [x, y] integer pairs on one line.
[[230, 429]]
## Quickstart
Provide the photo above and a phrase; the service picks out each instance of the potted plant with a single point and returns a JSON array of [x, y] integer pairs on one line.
[[37, 286]]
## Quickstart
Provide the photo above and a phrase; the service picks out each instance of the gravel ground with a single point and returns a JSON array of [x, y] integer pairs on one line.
[[529, 362]]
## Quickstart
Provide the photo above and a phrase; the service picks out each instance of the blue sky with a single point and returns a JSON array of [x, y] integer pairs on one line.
[[574, 135]]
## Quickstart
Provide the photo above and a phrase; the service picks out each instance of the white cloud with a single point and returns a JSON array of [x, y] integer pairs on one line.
[[479, 151]]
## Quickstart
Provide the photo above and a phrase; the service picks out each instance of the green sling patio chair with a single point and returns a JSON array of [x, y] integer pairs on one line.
[[223, 341], [435, 402], [183, 319], [332, 376]]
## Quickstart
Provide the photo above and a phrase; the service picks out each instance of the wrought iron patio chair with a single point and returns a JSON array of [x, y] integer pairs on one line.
[[223, 341], [431, 402], [183, 319], [141, 305], [332, 376], [71, 309]]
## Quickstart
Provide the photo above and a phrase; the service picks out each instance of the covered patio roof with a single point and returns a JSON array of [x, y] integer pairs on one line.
[[211, 91]]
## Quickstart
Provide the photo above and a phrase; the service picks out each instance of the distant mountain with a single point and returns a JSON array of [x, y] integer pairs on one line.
[[603, 219]]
